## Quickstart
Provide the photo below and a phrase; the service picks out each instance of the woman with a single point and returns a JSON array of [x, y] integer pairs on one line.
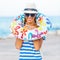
[[29, 49]]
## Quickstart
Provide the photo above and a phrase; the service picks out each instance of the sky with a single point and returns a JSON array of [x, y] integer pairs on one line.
[[14, 7]]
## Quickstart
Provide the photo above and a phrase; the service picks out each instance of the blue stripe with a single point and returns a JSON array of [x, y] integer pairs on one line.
[[29, 50], [28, 43], [29, 56], [25, 43], [28, 53], [30, 59], [31, 43], [28, 47]]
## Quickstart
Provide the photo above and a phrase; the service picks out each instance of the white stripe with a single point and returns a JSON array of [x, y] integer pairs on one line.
[[30, 57], [25, 48], [30, 54], [29, 41], [28, 45], [29, 51], [35, 49]]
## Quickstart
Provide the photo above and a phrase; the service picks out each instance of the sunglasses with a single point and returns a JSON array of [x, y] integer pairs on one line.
[[32, 15]]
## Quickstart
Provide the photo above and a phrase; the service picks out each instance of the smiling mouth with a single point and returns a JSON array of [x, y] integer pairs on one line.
[[30, 19]]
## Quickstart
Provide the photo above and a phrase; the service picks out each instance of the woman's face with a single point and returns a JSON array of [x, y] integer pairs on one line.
[[30, 17]]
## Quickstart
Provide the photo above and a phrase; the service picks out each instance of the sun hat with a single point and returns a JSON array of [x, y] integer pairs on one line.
[[30, 8]]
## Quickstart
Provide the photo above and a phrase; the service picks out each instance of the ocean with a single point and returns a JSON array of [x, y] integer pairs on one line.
[[6, 21]]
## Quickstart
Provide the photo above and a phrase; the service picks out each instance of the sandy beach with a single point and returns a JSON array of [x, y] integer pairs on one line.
[[50, 49]]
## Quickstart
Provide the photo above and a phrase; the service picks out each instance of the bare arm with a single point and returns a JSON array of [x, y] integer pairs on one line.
[[38, 44], [18, 43]]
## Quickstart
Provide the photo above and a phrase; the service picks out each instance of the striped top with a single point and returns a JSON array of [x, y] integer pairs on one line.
[[28, 52]]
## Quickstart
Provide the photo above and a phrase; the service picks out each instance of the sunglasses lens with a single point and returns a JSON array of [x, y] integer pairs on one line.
[[32, 15], [27, 15]]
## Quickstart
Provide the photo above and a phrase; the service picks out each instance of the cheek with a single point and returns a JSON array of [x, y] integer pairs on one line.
[[33, 19]]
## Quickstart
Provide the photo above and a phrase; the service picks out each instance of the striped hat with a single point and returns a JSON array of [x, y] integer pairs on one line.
[[30, 8]]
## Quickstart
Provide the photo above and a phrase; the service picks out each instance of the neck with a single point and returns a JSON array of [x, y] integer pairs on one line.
[[31, 24]]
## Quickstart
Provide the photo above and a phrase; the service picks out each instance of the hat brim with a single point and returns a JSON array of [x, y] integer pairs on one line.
[[30, 12]]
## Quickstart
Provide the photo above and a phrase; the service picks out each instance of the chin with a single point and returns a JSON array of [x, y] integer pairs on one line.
[[29, 21]]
